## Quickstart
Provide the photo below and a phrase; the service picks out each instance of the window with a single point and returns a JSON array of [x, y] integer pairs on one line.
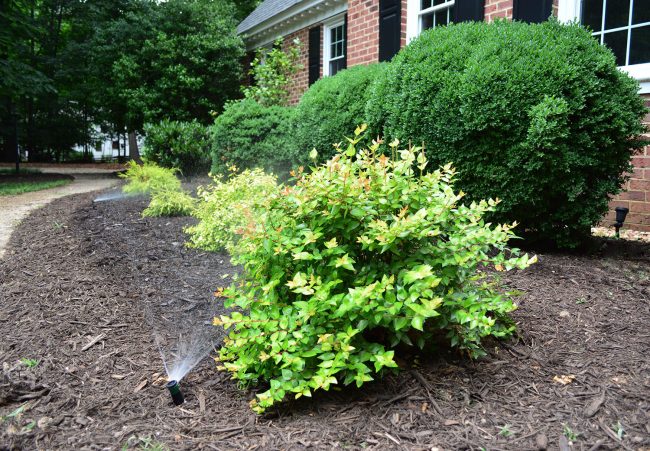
[[622, 25], [434, 13], [334, 48]]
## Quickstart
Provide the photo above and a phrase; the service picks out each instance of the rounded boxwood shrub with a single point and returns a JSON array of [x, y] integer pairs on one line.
[[249, 135], [181, 145], [537, 115], [331, 108]]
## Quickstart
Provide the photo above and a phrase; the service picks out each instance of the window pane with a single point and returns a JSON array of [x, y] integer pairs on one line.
[[617, 41], [640, 45], [427, 21], [333, 35], [425, 4], [617, 14], [438, 2], [336, 66], [339, 49], [441, 17], [641, 11], [592, 14]]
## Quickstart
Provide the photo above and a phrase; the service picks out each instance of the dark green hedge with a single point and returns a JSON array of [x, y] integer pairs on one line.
[[536, 115], [250, 135], [180, 145], [331, 109]]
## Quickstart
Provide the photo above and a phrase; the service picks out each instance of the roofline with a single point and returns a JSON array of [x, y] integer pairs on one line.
[[299, 16]]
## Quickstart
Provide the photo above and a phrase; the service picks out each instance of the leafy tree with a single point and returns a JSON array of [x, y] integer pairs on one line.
[[187, 69]]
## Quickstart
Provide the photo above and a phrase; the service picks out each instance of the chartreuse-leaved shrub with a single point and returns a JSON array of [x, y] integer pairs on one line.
[[249, 135], [364, 246], [170, 203], [228, 206], [167, 196], [148, 178], [537, 115], [330, 108]]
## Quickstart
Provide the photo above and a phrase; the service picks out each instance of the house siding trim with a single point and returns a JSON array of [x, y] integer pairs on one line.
[[302, 15]]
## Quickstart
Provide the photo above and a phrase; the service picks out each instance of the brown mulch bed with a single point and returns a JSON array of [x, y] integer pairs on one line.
[[576, 377]]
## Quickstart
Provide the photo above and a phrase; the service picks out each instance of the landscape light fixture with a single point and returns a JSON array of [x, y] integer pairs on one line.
[[175, 391], [621, 213]]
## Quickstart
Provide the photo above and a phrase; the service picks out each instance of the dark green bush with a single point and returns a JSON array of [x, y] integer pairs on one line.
[[331, 108], [249, 135], [537, 115], [181, 145]]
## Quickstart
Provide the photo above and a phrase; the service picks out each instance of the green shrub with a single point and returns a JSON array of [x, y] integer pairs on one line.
[[149, 178], [537, 115], [249, 135], [361, 255], [228, 206], [181, 145], [331, 108], [170, 203]]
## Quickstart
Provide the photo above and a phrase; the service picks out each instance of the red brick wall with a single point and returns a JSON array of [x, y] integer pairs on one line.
[[363, 32], [495, 9], [300, 81], [637, 195]]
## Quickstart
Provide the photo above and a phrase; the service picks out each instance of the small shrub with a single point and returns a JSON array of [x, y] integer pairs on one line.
[[181, 145], [149, 178], [226, 207], [249, 135], [363, 254], [331, 108], [170, 203], [272, 72], [537, 115]]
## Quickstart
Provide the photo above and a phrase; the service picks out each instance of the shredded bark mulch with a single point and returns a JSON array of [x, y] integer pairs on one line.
[[81, 281]]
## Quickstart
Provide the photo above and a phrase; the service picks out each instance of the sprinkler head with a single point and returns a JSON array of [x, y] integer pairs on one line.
[[621, 213], [175, 391]]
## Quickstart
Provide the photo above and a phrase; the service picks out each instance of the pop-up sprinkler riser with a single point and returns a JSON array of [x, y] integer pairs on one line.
[[621, 213], [175, 390]]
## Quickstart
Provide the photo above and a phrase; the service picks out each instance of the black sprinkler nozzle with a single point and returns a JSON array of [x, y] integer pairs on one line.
[[175, 391]]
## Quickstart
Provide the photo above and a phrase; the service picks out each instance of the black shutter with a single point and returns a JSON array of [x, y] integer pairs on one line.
[[314, 54], [532, 11], [469, 10], [344, 64], [389, 28]]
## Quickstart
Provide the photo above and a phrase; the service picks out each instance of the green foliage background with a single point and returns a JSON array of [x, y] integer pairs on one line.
[[249, 135], [181, 145]]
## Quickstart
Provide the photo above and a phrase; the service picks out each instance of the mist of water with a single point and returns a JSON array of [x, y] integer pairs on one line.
[[117, 195], [182, 348]]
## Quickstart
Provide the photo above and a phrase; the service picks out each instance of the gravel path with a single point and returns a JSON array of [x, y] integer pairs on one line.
[[13, 209]]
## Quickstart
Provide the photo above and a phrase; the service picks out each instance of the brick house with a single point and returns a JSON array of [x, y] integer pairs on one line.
[[341, 33]]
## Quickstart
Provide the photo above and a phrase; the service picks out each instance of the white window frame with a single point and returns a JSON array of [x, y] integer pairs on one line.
[[570, 10], [414, 16], [327, 41]]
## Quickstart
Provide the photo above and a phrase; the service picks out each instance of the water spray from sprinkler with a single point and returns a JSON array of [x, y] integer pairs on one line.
[[175, 390]]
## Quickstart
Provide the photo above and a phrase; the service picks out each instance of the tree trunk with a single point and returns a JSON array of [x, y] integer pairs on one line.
[[134, 152]]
